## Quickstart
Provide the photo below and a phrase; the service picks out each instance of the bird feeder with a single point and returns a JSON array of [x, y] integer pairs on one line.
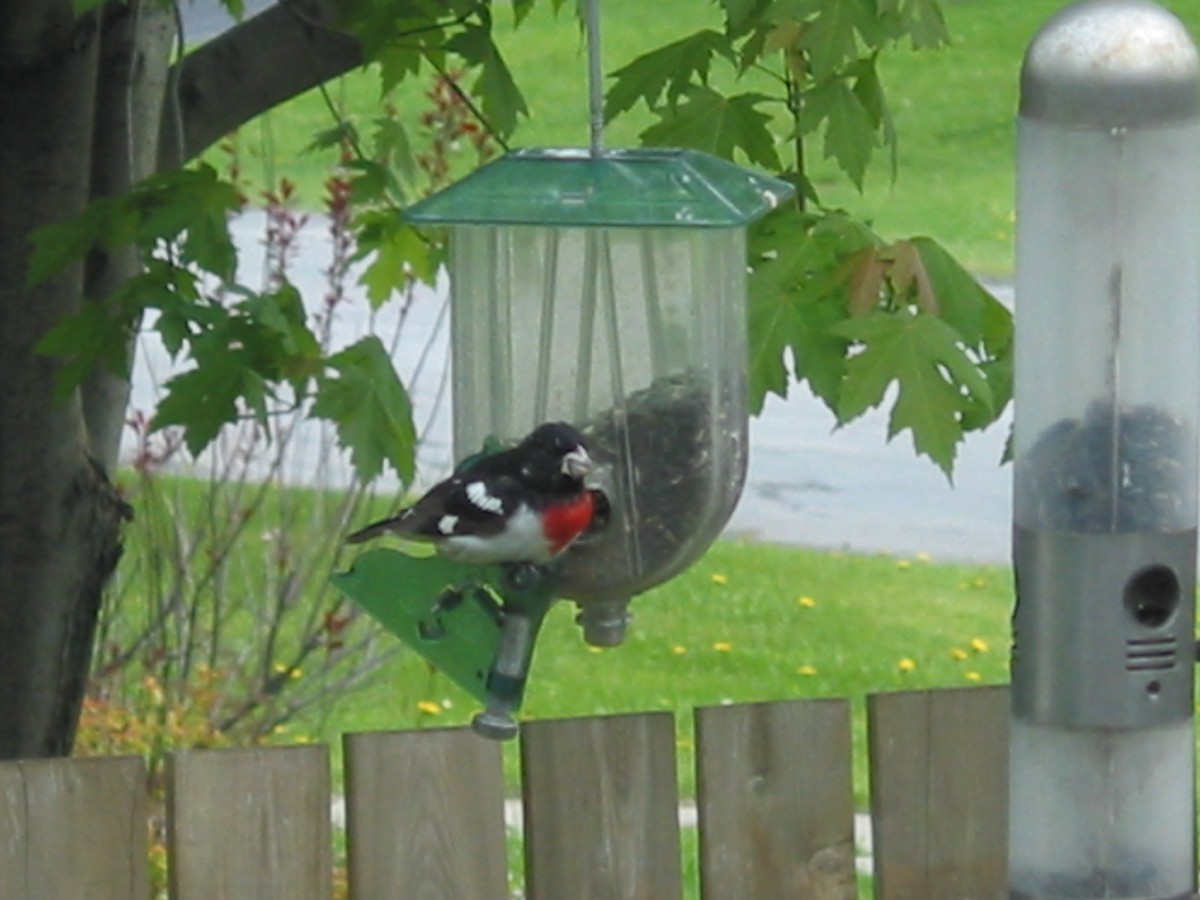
[[607, 289], [1105, 475]]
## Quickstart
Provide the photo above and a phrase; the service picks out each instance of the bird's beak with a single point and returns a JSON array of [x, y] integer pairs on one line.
[[577, 463]]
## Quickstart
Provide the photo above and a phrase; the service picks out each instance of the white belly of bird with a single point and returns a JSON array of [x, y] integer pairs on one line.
[[521, 541]]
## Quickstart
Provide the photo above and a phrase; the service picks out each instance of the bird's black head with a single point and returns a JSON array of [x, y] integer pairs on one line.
[[554, 457]]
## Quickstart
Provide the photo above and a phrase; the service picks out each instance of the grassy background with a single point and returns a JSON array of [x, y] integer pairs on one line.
[[749, 622], [954, 110]]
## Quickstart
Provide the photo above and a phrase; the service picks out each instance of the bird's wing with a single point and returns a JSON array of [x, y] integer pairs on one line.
[[460, 505]]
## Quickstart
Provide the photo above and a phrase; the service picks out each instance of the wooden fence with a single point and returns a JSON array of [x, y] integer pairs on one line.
[[425, 811]]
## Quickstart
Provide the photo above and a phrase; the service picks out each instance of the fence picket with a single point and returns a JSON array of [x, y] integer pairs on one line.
[[939, 793], [425, 816], [601, 808], [250, 824], [775, 801], [73, 828]]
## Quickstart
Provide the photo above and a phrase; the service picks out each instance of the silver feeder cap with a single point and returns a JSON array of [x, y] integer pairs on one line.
[[1111, 63]]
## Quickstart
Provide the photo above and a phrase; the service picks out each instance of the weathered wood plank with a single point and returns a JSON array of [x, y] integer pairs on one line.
[[425, 816], [776, 801], [250, 824], [74, 828], [939, 793], [601, 808]]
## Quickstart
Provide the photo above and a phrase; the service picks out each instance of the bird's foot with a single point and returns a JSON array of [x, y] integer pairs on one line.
[[524, 576]]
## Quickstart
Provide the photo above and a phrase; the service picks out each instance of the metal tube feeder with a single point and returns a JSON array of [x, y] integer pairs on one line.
[[1105, 476]]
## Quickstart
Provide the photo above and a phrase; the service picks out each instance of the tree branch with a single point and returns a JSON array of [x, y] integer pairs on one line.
[[279, 53]]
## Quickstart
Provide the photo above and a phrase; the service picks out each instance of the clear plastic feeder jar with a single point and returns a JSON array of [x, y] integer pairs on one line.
[[609, 291]]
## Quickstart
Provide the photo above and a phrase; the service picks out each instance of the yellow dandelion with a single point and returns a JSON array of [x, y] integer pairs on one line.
[[807, 670], [722, 646], [903, 564], [958, 654], [679, 650], [593, 649], [924, 557], [979, 645], [906, 664], [718, 578], [972, 676], [429, 707], [806, 602]]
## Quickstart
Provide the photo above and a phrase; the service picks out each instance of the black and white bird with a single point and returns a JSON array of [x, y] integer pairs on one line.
[[522, 505]]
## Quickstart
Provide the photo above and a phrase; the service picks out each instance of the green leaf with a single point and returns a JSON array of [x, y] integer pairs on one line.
[[868, 89], [59, 245], [83, 6], [965, 304], [707, 120], [830, 38], [740, 13], [371, 181], [397, 253], [670, 69], [366, 401], [850, 133], [93, 336], [344, 131], [277, 333], [500, 98], [796, 296], [394, 150], [937, 381], [924, 22], [397, 62], [204, 399]]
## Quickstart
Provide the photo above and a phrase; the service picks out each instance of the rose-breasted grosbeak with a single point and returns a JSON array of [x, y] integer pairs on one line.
[[523, 505]]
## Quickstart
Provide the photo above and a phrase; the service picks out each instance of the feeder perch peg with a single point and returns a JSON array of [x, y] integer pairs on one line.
[[1107, 388]]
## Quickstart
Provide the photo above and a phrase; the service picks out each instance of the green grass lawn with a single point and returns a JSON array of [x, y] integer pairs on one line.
[[749, 622], [954, 110]]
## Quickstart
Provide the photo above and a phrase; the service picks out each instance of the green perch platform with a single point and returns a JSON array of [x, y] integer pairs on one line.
[[475, 624]]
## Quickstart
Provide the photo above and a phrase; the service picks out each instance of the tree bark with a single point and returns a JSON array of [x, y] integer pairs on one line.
[[82, 102], [132, 80], [279, 53], [59, 519]]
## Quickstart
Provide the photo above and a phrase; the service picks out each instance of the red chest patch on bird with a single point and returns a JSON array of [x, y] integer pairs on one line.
[[563, 522]]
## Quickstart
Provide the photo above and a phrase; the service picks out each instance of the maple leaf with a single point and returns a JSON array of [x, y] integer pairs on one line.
[[938, 383], [397, 251], [500, 98], [830, 38], [707, 120], [796, 295], [205, 399], [850, 132], [670, 69], [369, 406]]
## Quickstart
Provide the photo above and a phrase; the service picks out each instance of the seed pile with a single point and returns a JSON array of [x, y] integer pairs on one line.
[[663, 481], [1108, 472]]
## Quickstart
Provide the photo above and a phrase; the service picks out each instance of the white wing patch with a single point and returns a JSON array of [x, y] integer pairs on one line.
[[446, 524], [477, 493]]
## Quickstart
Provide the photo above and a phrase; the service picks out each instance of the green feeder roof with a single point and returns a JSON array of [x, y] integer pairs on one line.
[[637, 188]]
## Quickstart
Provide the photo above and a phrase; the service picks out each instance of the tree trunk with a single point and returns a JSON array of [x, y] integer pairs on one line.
[[59, 518], [82, 103]]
